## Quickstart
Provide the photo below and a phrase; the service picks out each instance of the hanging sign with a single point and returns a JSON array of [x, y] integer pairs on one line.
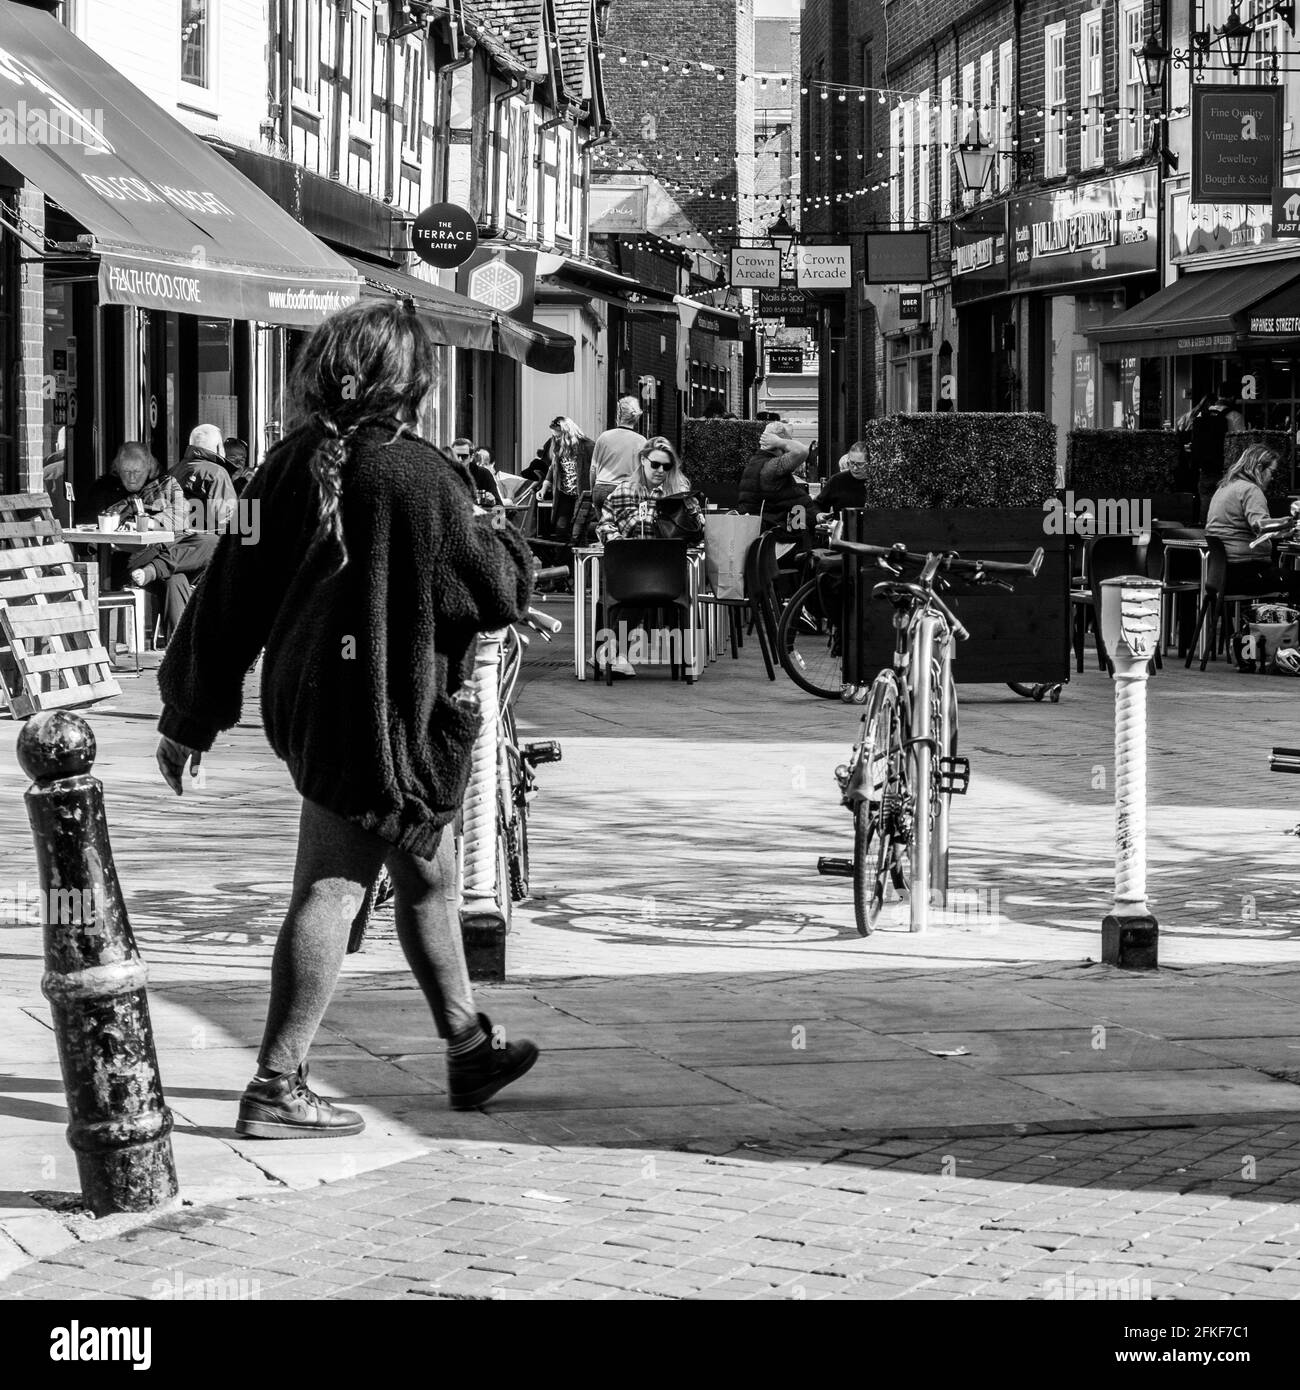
[[785, 360], [909, 304], [1286, 212], [755, 267], [444, 235], [1236, 143], [824, 267]]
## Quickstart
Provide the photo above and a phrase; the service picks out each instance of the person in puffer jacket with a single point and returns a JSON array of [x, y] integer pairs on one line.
[[770, 484]]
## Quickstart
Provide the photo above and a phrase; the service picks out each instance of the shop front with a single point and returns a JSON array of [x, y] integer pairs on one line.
[[981, 300], [1231, 318], [151, 265], [1078, 257]]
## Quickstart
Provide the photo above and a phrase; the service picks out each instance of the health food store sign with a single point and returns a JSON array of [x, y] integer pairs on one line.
[[1236, 143]]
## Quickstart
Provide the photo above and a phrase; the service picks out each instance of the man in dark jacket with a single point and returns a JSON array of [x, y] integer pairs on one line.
[[769, 483], [205, 481], [847, 488]]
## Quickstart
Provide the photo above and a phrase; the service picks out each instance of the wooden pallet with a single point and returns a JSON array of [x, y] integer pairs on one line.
[[51, 630]]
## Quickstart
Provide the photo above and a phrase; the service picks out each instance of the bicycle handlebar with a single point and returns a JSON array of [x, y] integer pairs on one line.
[[950, 561]]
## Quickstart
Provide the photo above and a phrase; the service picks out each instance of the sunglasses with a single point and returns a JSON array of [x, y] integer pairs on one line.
[[658, 463], [461, 456]]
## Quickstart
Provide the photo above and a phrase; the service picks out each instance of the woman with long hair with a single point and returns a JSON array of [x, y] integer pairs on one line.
[[632, 508], [570, 464], [1238, 515], [371, 579]]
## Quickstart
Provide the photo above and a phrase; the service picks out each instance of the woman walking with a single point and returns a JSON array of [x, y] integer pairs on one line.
[[570, 465], [372, 577]]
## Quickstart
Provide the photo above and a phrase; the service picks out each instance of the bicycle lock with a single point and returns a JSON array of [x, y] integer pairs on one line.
[[119, 1125], [482, 917], [1130, 629]]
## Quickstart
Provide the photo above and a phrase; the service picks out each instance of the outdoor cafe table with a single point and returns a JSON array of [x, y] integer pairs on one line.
[[587, 590], [128, 539]]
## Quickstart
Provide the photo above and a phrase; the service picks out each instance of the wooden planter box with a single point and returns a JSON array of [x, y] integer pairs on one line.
[[1020, 636]]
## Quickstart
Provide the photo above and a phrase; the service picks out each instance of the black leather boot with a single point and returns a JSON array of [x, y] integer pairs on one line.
[[287, 1108], [476, 1077]]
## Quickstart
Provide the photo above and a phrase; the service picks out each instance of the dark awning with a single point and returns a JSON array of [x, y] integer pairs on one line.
[[452, 319], [461, 322], [536, 346], [174, 226], [1205, 312]]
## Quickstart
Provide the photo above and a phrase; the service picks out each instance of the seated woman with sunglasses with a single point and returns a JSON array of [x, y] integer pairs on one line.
[[631, 511]]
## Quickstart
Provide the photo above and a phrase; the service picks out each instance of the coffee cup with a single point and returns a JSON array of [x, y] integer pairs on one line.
[[109, 521]]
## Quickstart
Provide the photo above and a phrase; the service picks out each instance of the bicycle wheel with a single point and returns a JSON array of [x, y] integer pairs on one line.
[[501, 886], [944, 714], [874, 854], [808, 640], [922, 778], [514, 807]]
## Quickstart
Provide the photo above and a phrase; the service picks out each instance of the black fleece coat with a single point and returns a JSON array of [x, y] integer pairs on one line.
[[362, 664]]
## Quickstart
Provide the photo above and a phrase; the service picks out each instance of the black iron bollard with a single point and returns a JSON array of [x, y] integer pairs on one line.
[[94, 978]]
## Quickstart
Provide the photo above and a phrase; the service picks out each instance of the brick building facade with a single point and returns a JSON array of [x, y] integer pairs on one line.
[[1062, 238]]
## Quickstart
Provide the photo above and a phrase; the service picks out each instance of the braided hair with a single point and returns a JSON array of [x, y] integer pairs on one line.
[[371, 364]]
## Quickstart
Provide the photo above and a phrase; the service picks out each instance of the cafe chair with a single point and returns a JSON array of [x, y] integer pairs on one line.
[[1214, 606], [1104, 557], [738, 609], [1179, 573], [649, 578], [125, 611]]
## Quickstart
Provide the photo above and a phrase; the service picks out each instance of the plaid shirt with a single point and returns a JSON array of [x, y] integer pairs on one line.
[[630, 510], [161, 499]]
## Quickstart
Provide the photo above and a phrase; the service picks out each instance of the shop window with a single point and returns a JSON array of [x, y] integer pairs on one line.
[[924, 138], [196, 43], [1131, 100], [1092, 124], [1054, 159]]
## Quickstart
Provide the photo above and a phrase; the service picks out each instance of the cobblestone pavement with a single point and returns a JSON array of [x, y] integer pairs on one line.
[[738, 1096]]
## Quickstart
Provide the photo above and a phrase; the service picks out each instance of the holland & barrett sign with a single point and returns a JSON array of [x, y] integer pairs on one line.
[[1236, 144]]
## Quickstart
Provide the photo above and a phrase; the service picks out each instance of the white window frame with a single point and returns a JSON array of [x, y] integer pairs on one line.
[[986, 98], [924, 138], [1006, 99], [895, 188], [208, 88], [969, 113], [519, 153], [946, 152], [1274, 36], [1092, 88], [361, 67], [1132, 94], [1055, 156], [412, 101], [306, 53], [564, 181], [909, 163]]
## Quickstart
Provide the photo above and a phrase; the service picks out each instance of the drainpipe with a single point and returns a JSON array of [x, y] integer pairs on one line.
[[280, 37], [337, 137], [516, 89], [390, 98]]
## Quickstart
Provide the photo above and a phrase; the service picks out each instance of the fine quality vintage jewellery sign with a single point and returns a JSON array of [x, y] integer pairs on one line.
[[755, 267], [824, 267], [1236, 143]]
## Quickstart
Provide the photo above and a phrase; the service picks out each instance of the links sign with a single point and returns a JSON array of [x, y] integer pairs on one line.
[[824, 267], [444, 235]]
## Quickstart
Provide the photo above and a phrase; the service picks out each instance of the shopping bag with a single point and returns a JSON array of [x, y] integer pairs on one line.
[[678, 520], [727, 538]]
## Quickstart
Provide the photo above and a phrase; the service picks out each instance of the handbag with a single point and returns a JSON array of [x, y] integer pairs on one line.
[[727, 538], [676, 521]]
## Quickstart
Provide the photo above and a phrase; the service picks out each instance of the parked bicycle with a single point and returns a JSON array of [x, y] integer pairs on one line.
[[492, 827], [904, 768]]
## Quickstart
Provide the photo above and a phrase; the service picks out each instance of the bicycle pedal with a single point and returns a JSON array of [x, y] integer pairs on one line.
[[546, 751], [954, 776], [835, 868]]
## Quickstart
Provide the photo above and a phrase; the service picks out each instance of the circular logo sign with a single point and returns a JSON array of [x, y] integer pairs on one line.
[[444, 235]]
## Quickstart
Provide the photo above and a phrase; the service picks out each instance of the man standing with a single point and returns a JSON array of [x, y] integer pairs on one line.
[[1212, 422], [615, 456]]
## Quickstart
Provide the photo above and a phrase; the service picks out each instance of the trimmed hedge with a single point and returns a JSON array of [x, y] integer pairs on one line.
[[965, 459], [1122, 463], [1280, 440], [716, 451]]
